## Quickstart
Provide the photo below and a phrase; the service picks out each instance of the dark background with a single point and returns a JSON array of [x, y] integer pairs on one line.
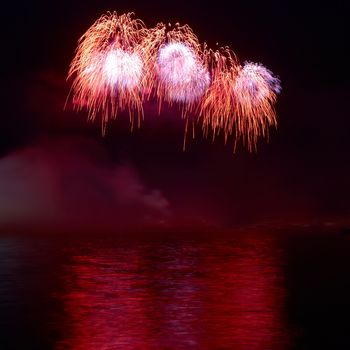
[[299, 176], [58, 173]]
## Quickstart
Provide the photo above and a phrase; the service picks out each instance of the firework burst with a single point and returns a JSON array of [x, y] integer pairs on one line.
[[255, 92], [240, 100], [122, 70], [108, 68], [182, 77], [181, 71]]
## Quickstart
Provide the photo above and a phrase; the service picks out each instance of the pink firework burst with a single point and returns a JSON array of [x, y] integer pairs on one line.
[[181, 74]]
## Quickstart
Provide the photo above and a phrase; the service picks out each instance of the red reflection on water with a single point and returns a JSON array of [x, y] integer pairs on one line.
[[226, 295], [104, 303], [245, 297]]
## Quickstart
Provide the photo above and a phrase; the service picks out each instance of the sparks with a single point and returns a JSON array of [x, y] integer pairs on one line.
[[255, 91], [119, 64], [181, 74], [123, 70], [108, 68]]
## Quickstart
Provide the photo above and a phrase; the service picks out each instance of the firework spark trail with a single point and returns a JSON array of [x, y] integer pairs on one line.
[[150, 46], [217, 105], [119, 64]]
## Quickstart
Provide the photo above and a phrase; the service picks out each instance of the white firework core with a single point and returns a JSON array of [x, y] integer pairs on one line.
[[255, 83], [122, 69], [180, 72]]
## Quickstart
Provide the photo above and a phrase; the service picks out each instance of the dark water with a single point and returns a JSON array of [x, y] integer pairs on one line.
[[249, 291]]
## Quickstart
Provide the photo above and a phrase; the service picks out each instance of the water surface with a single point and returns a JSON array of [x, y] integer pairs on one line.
[[249, 291]]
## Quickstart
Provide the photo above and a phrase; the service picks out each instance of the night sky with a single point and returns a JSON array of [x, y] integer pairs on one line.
[[56, 170]]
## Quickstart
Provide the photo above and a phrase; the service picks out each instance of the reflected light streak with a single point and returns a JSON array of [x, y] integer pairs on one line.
[[184, 295]]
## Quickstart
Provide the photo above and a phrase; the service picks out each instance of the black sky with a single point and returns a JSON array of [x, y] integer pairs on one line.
[[302, 173]]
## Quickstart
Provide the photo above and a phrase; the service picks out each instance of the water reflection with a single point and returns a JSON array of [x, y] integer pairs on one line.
[[174, 295]]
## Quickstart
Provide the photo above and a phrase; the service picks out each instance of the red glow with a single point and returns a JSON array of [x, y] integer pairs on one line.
[[175, 297]]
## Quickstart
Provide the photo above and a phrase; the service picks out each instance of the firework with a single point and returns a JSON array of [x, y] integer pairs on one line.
[[150, 47], [182, 74], [240, 100], [108, 67], [119, 64], [217, 105], [255, 91], [122, 70], [182, 77]]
